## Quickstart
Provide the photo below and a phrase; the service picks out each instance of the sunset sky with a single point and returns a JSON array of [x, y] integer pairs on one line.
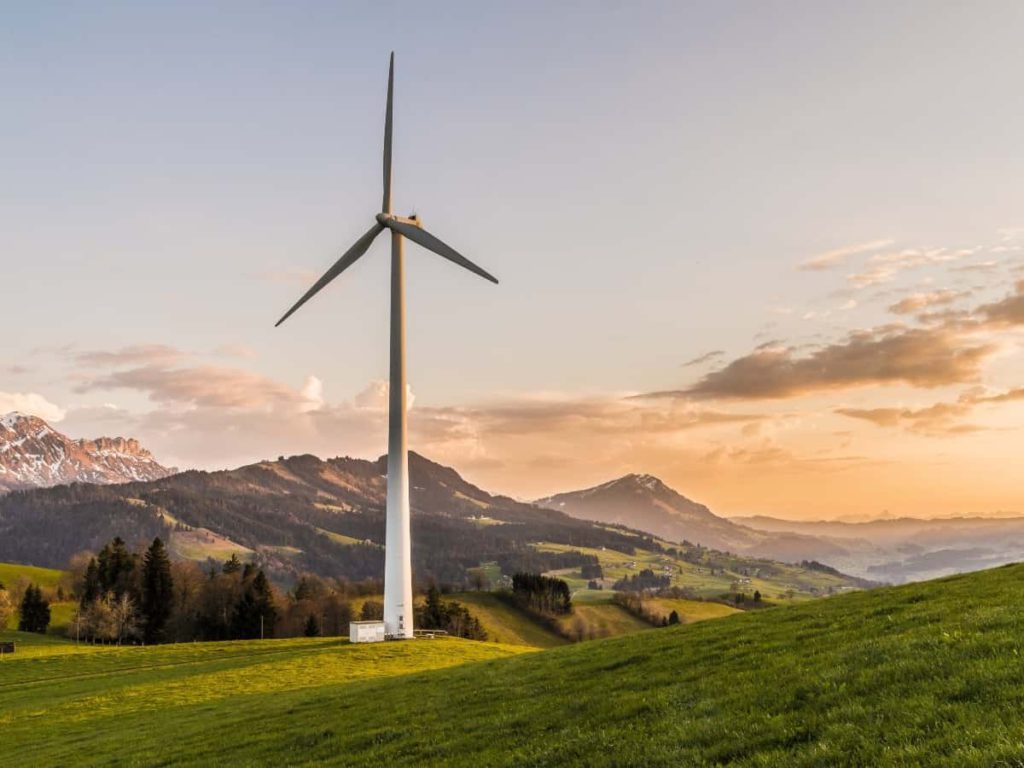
[[771, 252]]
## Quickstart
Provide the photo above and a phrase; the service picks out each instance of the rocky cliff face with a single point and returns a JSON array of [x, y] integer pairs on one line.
[[35, 455]]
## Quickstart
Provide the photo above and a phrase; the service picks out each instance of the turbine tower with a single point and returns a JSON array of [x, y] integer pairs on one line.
[[397, 545]]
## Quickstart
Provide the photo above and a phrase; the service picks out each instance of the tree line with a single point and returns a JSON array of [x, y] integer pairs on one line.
[[143, 596]]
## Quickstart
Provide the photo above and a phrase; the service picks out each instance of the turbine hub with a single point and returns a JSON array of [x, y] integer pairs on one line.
[[414, 220]]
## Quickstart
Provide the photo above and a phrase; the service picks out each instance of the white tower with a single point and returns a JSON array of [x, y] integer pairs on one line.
[[398, 597]]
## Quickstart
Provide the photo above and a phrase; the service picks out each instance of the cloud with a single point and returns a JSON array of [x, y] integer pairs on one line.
[[139, 354], [884, 267], [1009, 311], [32, 404], [375, 395], [834, 258], [918, 301], [924, 357], [202, 386], [943, 418], [938, 419], [706, 357]]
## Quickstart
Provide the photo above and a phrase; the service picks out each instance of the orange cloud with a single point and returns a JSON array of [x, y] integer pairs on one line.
[[923, 357]]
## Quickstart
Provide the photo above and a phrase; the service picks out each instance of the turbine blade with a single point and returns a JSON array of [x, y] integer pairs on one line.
[[386, 205], [431, 243], [346, 261]]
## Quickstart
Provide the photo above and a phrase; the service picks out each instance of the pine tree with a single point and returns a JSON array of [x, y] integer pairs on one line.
[[116, 568], [91, 588], [35, 611], [157, 591], [673, 618], [233, 565], [255, 610], [312, 626]]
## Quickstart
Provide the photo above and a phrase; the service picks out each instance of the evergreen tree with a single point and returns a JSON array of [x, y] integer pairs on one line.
[[255, 610], [91, 588], [673, 618], [232, 565], [35, 611], [157, 592], [116, 568], [434, 613], [312, 626], [757, 596]]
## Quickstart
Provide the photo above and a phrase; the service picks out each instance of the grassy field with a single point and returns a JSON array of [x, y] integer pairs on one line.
[[48, 578], [778, 582], [62, 704], [689, 610], [601, 620], [927, 674], [505, 624]]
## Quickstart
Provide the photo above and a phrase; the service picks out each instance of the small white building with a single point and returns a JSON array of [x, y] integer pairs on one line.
[[366, 631]]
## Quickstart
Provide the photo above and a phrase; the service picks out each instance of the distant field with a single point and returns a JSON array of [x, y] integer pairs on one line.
[[778, 582], [603, 620], [689, 610], [505, 624], [48, 578], [929, 674]]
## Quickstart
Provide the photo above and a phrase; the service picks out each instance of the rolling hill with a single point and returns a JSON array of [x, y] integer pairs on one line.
[[928, 674]]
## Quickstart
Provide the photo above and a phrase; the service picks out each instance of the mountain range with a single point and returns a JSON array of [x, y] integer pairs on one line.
[[295, 514], [303, 514], [35, 455]]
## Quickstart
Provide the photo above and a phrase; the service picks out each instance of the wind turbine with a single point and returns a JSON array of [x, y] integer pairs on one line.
[[397, 553]]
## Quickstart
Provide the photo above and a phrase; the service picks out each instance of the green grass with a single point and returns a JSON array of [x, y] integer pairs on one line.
[[603, 620], [928, 674], [506, 624], [689, 610], [48, 578], [340, 538], [775, 582], [81, 705]]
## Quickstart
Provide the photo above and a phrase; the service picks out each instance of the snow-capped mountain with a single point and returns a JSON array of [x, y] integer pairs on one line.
[[35, 455]]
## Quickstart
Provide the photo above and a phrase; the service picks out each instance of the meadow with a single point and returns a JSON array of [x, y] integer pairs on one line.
[[924, 674]]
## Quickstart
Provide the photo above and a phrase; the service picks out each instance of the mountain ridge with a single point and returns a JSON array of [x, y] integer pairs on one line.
[[645, 502], [35, 455]]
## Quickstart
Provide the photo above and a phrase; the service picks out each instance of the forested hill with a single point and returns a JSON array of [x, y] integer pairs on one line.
[[300, 514]]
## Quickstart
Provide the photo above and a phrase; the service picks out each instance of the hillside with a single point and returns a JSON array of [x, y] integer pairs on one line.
[[327, 517], [35, 455], [646, 503], [927, 674]]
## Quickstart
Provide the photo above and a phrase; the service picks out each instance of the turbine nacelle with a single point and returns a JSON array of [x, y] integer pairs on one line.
[[385, 219]]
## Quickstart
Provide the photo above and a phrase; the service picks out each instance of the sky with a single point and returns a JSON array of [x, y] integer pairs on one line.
[[771, 252]]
